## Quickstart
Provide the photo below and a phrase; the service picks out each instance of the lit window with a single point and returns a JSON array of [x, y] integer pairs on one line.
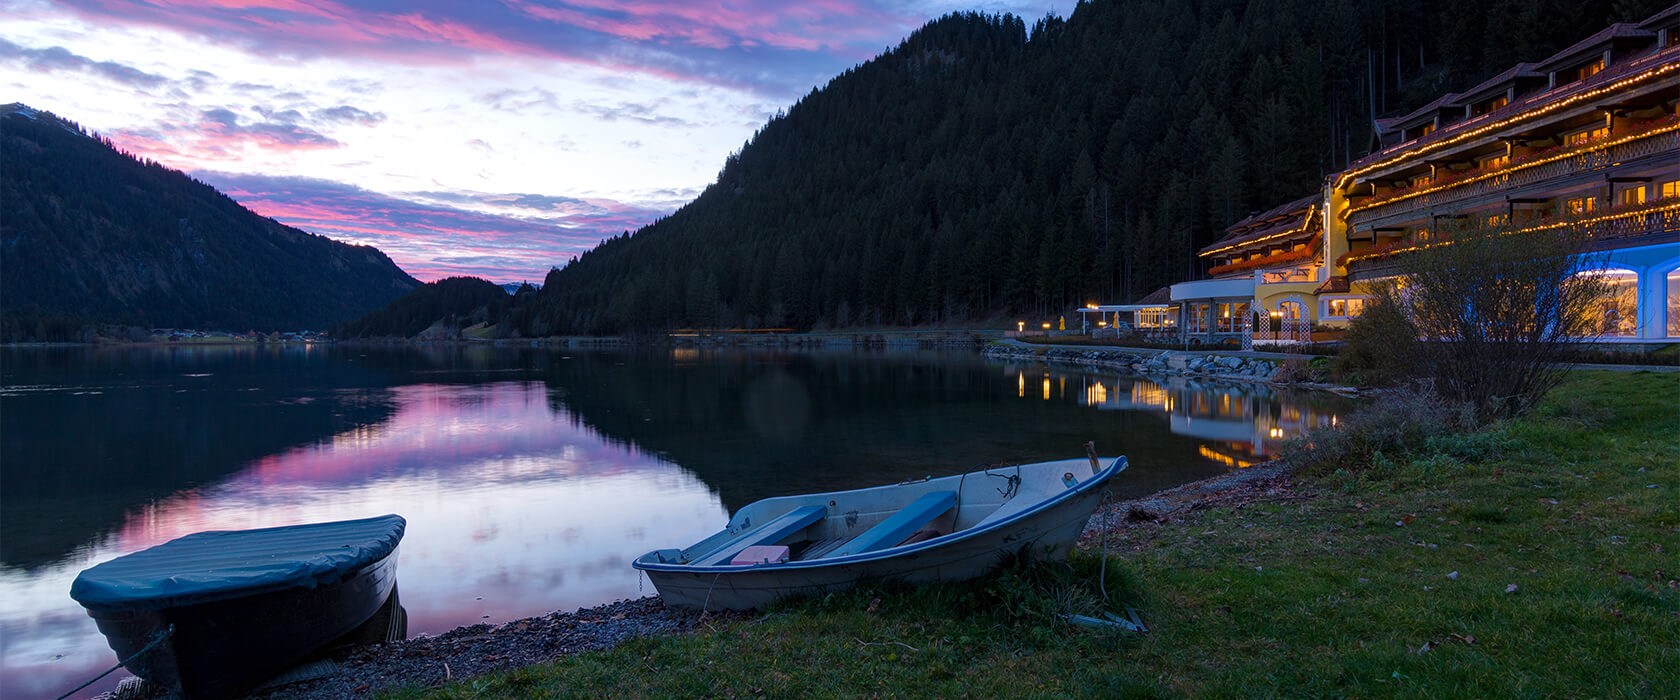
[[1633, 195], [1671, 189], [1489, 106], [1155, 319], [1198, 318], [1674, 304], [1580, 205], [1494, 161], [1583, 72], [1345, 308], [1426, 130], [1585, 135], [1419, 179], [1231, 316], [1616, 314]]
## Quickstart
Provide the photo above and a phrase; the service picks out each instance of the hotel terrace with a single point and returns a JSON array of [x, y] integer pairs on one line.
[[1588, 137]]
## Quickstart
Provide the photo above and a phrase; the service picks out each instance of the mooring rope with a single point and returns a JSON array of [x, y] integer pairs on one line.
[[1102, 578], [156, 639]]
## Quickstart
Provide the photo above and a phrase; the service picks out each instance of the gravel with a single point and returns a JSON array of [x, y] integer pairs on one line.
[[465, 652], [429, 661]]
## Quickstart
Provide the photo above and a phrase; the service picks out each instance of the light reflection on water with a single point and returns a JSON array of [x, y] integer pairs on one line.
[[529, 479], [511, 513]]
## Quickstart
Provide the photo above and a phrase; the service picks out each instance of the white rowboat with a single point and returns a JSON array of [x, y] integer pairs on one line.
[[937, 529]]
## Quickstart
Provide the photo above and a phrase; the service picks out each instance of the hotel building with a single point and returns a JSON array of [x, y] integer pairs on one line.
[[1588, 138]]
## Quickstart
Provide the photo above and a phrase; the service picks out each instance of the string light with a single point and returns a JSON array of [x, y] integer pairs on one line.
[[1555, 106], [1520, 166], [1304, 227], [1351, 258]]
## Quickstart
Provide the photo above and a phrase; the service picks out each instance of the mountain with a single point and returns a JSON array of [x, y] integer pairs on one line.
[[448, 304], [976, 170], [92, 234], [514, 287]]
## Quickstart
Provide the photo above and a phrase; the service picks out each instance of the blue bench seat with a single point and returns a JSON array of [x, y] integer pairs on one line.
[[901, 525], [771, 532]]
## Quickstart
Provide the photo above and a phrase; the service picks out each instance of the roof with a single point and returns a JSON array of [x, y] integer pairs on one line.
[[1335, 285], [1619, 30], [1159, 296], [1279, 219], [1659, 19], [1521, 70], [1426, 110], [1610, 74]]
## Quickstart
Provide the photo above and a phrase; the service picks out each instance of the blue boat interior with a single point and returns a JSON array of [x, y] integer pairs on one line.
[[903, 524], [771, 532]]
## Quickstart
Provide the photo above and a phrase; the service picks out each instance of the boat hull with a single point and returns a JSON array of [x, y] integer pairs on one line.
[[1045, 532], [222, 648]]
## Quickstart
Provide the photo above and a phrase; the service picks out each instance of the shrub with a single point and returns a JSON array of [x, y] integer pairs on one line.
[[1395, 426], [1379, 348], [1486, 316]]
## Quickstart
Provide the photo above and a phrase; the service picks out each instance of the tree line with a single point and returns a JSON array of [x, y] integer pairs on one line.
[[978, 169]]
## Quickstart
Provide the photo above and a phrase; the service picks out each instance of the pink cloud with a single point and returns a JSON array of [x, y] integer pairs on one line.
[[431, 241], [729, 43]]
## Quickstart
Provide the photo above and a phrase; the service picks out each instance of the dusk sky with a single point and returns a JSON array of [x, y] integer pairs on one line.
[[494, 138]]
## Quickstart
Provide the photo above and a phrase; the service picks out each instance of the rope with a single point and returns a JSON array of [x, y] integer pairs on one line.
[[156, 639], [1102, 578]]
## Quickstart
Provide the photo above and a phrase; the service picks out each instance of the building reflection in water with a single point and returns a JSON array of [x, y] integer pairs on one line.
[[1243, 423]]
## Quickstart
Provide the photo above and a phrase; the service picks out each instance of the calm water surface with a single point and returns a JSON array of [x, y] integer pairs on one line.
[[530, 478]]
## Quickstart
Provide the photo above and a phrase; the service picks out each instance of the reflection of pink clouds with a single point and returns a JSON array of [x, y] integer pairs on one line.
[[513, 511], [438, 431]]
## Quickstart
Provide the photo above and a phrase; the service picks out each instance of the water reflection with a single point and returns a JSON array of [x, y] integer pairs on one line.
[[511, 513], [529, 477], [1243, 423]]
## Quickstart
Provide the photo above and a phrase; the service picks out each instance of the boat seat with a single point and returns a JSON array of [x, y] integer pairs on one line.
[[901, 525], [776, 530]]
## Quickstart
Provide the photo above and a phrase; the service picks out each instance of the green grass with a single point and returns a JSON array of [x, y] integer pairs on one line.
[[1322, 595]]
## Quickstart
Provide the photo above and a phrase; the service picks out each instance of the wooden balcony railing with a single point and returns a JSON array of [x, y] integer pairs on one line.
[[1548, 167], [1654, 222]]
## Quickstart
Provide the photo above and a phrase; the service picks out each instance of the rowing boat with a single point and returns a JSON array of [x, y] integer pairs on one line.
[[935, 529], [213, 614]]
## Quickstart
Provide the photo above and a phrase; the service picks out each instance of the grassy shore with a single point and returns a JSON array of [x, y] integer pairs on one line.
[[1537, 558]]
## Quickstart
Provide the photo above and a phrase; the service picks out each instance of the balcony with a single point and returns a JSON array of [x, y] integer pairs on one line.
[[1623, 227], [1662, 137]]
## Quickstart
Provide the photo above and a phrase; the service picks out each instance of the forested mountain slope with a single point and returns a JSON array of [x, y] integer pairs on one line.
[[971, 171], [90, 234], [457, 302]]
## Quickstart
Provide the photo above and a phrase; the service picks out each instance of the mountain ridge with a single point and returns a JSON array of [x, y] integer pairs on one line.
[[95, 235]]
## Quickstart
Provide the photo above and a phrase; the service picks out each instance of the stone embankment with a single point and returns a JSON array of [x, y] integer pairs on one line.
[[1147, 362]]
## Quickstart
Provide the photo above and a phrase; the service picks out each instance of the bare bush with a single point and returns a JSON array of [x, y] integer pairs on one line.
[[1395, 425], [1486, 316]]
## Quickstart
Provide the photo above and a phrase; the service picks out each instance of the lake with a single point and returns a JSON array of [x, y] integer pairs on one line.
[[530, 477]]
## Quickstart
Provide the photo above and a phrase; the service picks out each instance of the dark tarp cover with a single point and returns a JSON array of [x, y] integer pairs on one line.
[[209, 566]]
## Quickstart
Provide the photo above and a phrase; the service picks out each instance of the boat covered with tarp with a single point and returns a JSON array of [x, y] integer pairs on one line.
[[935, 529], [213, 614]]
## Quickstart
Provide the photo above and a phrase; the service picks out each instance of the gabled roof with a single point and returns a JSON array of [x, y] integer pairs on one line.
[[1337, 284], [1511, 75], [1667, 16], [1619, 30], [1612, 73], [1418, 115], [1160, 296], [1279, 219]]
